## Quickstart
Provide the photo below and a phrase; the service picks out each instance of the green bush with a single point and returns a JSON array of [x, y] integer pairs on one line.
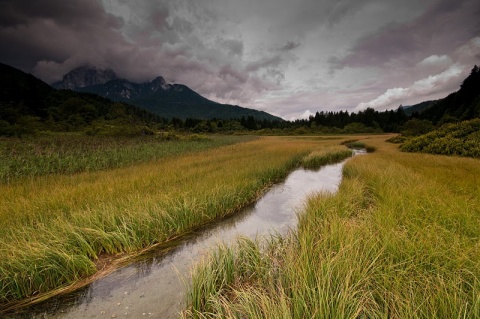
[[397, 139], [461, 139], [416, 127], [356, 127]]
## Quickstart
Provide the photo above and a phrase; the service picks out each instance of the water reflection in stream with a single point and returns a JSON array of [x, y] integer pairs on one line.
[[153, 288]]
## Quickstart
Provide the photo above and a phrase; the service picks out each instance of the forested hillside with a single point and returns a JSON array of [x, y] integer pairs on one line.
[[28, 105], [451, 126], [459, 106]]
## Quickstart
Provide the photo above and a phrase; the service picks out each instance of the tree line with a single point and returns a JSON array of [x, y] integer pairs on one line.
[[27, 105], [367, 121]]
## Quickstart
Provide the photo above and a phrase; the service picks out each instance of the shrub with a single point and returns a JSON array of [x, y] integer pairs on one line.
[[461, 139], [397, 139]]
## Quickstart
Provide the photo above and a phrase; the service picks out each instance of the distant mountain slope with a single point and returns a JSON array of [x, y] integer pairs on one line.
[[28, 104], [85, 76], [418, 108], [166, 100], [461, 105], [22, 91]]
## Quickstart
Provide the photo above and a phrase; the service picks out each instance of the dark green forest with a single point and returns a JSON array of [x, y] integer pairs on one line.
[[459, 106], [28, 105]]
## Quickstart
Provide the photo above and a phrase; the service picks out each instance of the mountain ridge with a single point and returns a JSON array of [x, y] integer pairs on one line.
[[461, 105], [419, 107], [84, 76], [157, 96], [27, 105]]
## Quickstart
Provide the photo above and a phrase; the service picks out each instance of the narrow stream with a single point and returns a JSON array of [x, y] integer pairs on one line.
[[154, 287]]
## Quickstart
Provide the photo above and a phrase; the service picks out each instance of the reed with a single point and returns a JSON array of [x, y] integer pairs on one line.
[[327, 155], [73, 153], [55, 226], [399, 240]]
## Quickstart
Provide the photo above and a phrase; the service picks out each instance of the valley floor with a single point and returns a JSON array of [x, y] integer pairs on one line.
[[69, 216], [401, 239]]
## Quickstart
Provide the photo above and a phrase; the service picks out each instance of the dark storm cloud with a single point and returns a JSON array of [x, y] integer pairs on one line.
[[76, 14], [269, 54], [233, 47], [227, 71], [49, 38], [264, 63], [441, 29], [290, 45], [138, 39], [53, 30], [342, 8]]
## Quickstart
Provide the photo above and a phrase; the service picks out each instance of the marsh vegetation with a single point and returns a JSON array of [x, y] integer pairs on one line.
[[69, 153], [399, 240], [460, 139], [58, 225]]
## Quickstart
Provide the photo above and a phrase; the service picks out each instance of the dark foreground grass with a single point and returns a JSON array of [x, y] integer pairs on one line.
[[399, 240]]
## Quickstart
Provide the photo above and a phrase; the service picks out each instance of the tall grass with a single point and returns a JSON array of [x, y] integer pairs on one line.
[[70, 153], [55, 227], [327, 155], [399, 240]]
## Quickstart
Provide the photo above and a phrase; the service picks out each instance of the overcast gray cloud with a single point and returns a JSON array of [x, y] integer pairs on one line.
[[289, 58], [443, 27]]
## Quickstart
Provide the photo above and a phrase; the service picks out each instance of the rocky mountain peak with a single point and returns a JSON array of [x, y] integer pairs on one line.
[[159, 83], [166, 100], [160, 80], [85, 76]]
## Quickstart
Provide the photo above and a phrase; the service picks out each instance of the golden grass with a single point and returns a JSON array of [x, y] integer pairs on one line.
[[399, 240], [327, 155], [54, 227]]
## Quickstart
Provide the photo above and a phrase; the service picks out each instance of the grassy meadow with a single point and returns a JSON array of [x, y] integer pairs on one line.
[[59, 226], [73, 153], [399, 240]]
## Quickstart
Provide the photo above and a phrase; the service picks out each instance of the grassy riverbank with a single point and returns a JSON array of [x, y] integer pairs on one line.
[[56, 226], [399, 240]]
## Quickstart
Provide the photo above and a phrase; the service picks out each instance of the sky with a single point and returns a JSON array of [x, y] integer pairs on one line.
[[288, 58]]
